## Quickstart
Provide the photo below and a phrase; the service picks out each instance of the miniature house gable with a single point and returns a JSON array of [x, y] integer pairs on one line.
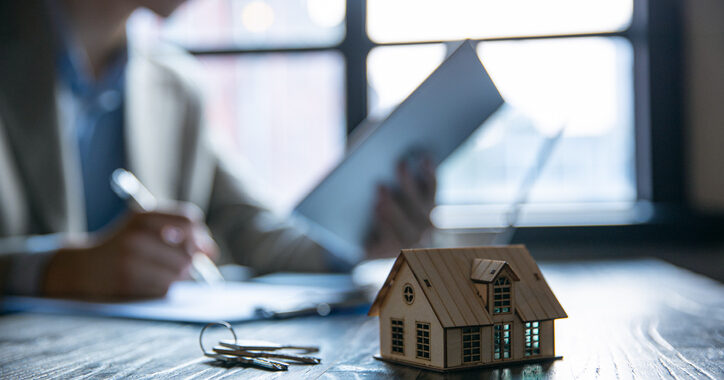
[[465, 307], [485, 271], [411, 326]]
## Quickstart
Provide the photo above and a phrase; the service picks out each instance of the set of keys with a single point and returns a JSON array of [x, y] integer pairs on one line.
[[259, 354]]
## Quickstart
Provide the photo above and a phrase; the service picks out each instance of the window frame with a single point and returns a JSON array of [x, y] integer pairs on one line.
[[397, 323], [500, 342], [506, 288], [530, 332], [656, 35], [472, 333], [422, 346], [410, 294]]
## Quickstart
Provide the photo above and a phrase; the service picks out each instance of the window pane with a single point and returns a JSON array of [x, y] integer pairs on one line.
[[246, 23], [437, 20], [395, 71], [280, 113], [584, 84]]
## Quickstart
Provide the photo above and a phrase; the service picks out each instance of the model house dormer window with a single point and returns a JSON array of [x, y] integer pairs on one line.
[[501, 296], [494, 282]]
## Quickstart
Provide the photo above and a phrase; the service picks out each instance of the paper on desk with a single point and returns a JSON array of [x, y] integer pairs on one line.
[[192, 302]]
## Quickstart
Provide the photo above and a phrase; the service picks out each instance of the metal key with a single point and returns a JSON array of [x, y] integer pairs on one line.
[[259, 345], [255, 352], [261, 354], [257, 362]]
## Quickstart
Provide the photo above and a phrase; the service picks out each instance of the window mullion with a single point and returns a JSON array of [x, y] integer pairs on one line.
[[355, 47]]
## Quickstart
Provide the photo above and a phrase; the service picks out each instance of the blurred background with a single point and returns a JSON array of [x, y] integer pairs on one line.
[[637, 85]]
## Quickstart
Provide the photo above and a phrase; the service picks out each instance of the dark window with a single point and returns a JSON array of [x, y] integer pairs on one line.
[[423, 340], [471, 344], [398, 334]]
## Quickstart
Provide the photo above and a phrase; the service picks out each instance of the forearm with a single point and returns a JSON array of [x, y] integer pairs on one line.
[[24, 261], [268, 244], [253, 236]]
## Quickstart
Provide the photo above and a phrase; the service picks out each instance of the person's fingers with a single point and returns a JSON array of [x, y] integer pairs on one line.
[[392, 213], [157, 221], [205, 243], [198, 240], [149, 248], [429, 181], [183, 225], [381, 242], [412, 198], [147, 280], [384, 234], [177, 213], [389, 243], [185, 209], [172, 235]]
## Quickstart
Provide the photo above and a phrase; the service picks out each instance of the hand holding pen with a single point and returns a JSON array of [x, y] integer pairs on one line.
[[128, 187], [140, 257]]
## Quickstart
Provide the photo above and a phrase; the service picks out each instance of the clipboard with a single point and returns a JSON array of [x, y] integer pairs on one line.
[[456, 99]]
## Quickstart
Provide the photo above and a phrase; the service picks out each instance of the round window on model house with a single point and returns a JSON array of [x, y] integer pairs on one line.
[[408, 294]]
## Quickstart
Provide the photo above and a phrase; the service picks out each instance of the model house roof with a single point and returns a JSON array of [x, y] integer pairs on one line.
[[448, 276]]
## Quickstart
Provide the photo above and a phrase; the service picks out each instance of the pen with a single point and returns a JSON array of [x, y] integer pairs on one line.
[[128, 187]]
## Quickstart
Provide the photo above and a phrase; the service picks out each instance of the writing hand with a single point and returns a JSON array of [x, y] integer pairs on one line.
[[141, 257]]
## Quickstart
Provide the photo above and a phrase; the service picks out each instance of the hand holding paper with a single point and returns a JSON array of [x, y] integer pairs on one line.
[[402, 216], [435, 119]]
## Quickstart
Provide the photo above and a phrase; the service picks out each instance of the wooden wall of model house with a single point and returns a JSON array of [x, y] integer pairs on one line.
[[454, 335], [547, 338], [455, 347], [396, 307]]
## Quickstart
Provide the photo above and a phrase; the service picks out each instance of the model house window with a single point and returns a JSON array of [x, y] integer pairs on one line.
[[532, 338], [501, 295], [398, 343], [423, 340], [471, 344], [501, 341], [408, 294]]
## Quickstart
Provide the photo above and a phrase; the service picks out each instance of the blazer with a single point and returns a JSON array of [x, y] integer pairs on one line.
[[40, 184]]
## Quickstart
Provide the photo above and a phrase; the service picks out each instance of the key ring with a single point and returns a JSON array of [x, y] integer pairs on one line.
[[220, 323]]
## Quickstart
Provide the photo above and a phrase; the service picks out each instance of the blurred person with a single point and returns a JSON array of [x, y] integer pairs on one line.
[[77, 102]]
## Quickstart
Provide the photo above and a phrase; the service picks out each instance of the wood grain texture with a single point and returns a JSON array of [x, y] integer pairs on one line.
[[485, 270], [627, 319]]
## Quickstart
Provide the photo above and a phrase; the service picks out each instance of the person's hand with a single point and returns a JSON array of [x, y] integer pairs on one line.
[[139, 258], [402, 219]]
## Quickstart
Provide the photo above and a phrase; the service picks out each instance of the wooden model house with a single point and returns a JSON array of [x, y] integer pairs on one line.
[[449, 309]]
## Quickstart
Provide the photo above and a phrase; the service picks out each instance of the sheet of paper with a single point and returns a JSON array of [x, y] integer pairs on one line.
[[193, 302], [435, 119]]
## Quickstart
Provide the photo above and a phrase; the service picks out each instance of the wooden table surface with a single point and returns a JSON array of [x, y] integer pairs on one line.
[[628, 319]]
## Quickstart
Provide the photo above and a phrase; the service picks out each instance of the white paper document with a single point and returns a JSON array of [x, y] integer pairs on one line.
[[434, 120], [193, 302]]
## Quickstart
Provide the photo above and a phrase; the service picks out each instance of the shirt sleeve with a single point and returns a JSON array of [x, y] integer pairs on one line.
[[255, 237], [26, 260]]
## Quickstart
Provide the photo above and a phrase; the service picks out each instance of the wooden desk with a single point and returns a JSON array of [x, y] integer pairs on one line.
[[628, 319]]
